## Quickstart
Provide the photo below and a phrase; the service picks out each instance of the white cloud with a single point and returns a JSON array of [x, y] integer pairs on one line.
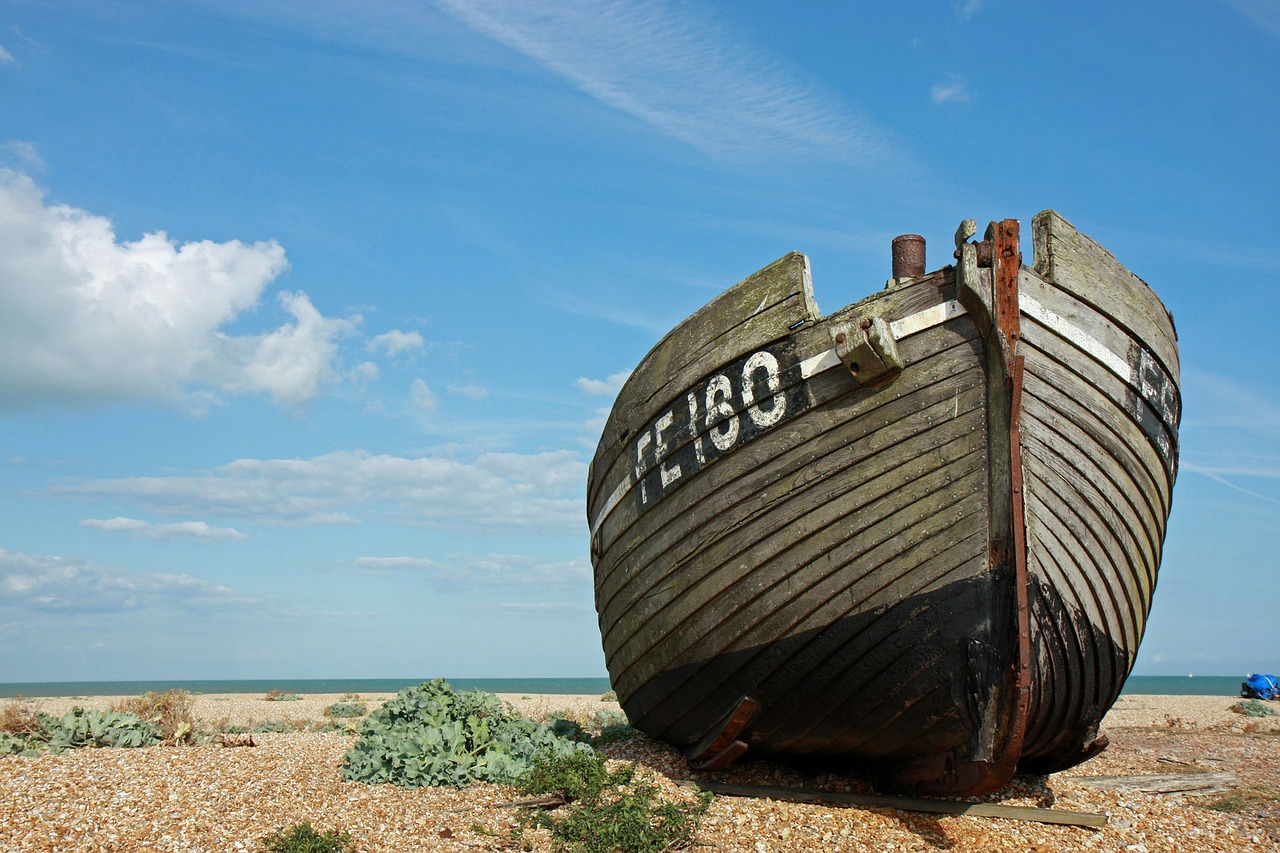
[[396, 342], [85, 318], [602, 387], [422, 396], [464, 571], [538, 491], [680, 72], [365, 371], [470, 391], [1264, 13], [952, 90], [25, 154], [6, 58], [174, 530], [29, 581], [966, 9]]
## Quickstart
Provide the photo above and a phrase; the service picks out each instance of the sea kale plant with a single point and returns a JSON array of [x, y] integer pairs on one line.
[[432, 736], [80, 728]]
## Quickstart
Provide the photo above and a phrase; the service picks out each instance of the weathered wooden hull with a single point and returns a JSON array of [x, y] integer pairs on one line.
[[920, 534]]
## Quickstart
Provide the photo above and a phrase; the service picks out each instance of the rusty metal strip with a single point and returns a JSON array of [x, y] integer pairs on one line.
[[1006, 268], [721, 747]]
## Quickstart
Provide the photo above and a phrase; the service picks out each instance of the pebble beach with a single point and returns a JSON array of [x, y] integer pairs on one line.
[[215, 797]]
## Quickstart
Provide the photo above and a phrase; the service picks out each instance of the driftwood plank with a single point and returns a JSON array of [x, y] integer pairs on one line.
[[1177, 784], [909, 804]]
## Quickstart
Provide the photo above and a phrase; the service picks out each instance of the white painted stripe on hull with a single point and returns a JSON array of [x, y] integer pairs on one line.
[[815, 364], [1058, 324], [926, 319], [614, 499]]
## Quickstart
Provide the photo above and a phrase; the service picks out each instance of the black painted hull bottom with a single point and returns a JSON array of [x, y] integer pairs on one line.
[[908, 693]]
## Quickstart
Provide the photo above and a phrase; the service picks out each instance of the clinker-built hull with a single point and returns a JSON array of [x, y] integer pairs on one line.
[[919, 535]]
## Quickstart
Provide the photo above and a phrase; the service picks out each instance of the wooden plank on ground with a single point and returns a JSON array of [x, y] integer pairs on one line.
[[1177, 784], [910, 804]]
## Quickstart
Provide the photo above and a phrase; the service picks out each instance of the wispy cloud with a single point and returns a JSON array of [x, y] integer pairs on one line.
[[544, 608], [422, 397], [467, 571], [541, 491], [25, 155], [472, 392], [1220, 476], [6, 58], [54, 583], [966, 9], [1264, 13], [602, 387], [396, 342], [1226, 402], [1231, 427], [952, 90], [681, 72], [172, 530]]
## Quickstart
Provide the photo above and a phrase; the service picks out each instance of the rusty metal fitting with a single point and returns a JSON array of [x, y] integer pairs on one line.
[[908, 255]]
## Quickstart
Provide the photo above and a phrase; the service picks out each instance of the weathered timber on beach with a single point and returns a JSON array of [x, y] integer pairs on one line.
[[1172, 784], [920, 534], [909, 804]]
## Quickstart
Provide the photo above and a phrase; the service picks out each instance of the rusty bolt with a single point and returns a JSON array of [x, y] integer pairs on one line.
[[865, 324], [840, 337]]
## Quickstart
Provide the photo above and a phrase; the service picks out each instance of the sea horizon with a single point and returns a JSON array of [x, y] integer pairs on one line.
[[1171, 685]]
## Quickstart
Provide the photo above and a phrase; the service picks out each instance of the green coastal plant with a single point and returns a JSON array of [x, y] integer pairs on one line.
[[79, 728], [346, 709], [304, 838], [431, 735], [1254, 708], [275, 694], [171, 710], [611, 811]]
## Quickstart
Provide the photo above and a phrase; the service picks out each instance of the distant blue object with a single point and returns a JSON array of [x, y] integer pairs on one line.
[[1260, 687]]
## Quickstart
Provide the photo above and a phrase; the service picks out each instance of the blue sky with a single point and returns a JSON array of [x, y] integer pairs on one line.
[[310, 312]]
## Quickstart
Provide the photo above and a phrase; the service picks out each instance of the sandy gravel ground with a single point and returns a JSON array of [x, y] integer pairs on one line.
[[213, 798]]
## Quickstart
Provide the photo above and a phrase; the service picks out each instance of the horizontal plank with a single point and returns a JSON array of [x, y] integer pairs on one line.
[[908, 804], [1178, 784]]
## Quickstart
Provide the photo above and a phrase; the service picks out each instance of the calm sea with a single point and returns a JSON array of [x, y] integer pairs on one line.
[[310, 685], [1199, 685]]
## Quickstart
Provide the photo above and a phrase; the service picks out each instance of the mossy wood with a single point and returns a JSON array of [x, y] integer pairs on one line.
[[920, 534]]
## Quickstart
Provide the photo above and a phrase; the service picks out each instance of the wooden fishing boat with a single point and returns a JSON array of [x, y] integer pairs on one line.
[[919, 535]]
